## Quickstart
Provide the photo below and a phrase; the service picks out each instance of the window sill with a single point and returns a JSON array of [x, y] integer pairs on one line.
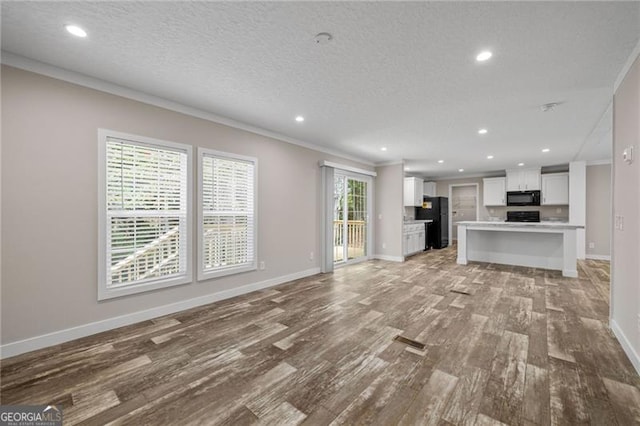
[[112, 293], [207, 275]]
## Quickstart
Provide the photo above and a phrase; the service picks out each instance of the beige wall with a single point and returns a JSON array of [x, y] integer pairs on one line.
[[625, 296], [546, 212], [598, 213], [389, 210], [50, 210]]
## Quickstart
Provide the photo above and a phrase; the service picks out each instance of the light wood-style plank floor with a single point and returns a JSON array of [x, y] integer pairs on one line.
[[524, 347]]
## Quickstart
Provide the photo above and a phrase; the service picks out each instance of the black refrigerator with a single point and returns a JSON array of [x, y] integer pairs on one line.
[[436, 209]]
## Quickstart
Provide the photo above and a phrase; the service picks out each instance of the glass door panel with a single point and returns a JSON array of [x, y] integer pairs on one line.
[[350, 225]]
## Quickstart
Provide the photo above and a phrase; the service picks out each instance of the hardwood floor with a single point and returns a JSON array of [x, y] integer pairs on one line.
[[523, 347]]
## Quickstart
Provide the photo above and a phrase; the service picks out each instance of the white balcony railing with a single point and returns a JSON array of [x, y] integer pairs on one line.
[[160, 255], [356, 239]]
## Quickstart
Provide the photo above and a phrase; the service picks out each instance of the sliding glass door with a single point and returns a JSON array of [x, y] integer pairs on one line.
[[351, 201]]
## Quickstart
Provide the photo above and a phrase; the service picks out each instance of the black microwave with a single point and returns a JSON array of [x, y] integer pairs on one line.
[[523, 198]]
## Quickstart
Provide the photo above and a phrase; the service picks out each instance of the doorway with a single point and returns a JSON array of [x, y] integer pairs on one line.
[[351, 205], [463, 206]]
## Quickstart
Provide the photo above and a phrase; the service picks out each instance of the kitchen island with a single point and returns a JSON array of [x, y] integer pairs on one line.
[[547, 245]]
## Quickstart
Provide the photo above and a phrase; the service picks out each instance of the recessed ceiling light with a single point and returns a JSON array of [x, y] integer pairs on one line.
[[489, 157], [483, 131], [384, 148], [520, 164], [546, 150], [440, 161], [299, 119], [461, 170], [75, 30], [483, 56]]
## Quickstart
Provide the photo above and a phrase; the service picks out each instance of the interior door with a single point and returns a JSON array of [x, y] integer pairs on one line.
[[463, 206], [351, 218]]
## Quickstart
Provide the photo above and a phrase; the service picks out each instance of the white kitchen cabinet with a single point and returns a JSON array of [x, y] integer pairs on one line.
[[555, 189], [413, 238], [429, 189], [523, 180], [494, 190], [413, 192], [531, 179], [422, 239]]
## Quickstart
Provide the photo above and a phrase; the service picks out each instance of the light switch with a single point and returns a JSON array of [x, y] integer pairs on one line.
[[627, 154]]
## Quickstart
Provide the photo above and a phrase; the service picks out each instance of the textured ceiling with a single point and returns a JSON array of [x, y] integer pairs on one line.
[[398, 75]]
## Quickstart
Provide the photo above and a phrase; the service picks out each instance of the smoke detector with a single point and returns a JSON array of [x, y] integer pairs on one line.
[[322, 38], [548, 107]]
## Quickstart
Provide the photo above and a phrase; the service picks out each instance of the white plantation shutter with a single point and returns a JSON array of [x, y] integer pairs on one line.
[[227, 216], [147, 205]]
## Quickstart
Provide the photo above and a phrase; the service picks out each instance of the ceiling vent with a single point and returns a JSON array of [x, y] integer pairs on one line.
[[322, 38], [549, 107]]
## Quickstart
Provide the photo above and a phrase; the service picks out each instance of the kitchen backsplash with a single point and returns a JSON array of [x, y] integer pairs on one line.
[[500, 212], [560, 213]]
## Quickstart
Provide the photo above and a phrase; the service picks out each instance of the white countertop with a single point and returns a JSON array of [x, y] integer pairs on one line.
[[554, 225], [412, 222]]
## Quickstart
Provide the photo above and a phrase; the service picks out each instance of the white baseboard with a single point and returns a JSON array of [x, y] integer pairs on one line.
[[38, 342], [598, 257], [626, 345], [389, 258]]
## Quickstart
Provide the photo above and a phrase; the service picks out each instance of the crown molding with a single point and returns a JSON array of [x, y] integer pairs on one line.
[[74, 77], [389, 163], [635, 53]]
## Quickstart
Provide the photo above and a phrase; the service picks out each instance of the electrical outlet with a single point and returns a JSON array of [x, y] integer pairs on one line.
[[558, 210], [380, 216], [311, 256], [618, 222], [384, 245], [263, 265], [491, 210], [592, 245]]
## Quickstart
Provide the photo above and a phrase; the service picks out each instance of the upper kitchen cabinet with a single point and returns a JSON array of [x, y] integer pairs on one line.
[[555, 189], [494, 191], [429, 189], [523, 180], [413, 188]]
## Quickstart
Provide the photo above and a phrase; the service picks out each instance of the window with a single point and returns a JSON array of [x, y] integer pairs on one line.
[[227, 214], [145, 214]]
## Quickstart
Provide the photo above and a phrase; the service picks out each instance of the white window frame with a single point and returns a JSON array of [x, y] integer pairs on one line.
[[205, 275], [152, 284]]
